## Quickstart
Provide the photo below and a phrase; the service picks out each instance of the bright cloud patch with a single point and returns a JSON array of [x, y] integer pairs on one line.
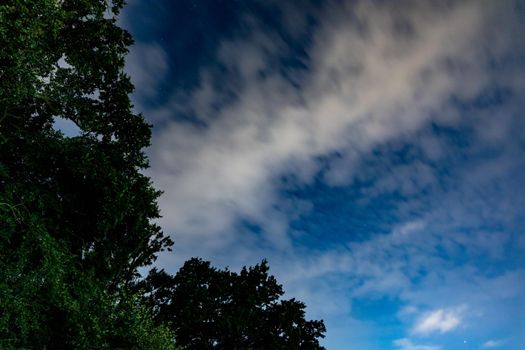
[[489, 344], [442, 321], [374, 75], [406, 344]]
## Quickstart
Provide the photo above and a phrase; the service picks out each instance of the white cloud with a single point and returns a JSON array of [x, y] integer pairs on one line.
[[147, 65], [409, 227], [441, 320], [494, 343], [368, 82], [406, 344]]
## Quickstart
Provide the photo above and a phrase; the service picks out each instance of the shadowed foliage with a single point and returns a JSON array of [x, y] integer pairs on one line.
[[219, 309], [74, 211]]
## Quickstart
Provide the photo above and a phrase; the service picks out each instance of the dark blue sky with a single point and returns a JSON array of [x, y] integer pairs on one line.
[[372, 151]]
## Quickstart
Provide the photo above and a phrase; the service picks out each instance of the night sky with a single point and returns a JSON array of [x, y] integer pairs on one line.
[[372, 151]]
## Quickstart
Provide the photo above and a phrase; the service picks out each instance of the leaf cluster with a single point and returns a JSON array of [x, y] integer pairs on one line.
[[75, 212], [219, 309]]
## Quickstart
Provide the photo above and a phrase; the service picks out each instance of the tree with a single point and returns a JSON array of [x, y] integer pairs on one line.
[[219, 309], [48, 301], [65, 59], [75, 213]]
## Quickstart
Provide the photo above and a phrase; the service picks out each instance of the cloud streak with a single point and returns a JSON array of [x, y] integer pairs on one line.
[[406, 344], [441, 320], [490, 344], [376, 73]]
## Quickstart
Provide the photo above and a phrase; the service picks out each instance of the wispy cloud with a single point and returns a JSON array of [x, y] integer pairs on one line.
[[409, 227], [489, 344], [147, 64], [406, 344], [441, 320], [374, 75]]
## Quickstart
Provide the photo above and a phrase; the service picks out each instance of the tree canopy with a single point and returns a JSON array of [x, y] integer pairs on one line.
[[65, 60], [75, 212], [219, 309]]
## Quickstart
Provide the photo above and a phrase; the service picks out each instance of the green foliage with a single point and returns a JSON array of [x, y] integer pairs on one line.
[[75, 213], [48, 301], [93, 194], [220, 309]]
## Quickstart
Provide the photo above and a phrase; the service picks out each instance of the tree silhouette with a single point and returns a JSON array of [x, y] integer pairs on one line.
[[219, 309]]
